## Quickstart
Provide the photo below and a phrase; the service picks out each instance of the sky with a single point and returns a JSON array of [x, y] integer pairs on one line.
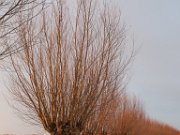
[[155, 75]]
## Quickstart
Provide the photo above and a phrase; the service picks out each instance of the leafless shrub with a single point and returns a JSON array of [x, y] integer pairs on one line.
[[71, 68], [8, 25], [128, 117]]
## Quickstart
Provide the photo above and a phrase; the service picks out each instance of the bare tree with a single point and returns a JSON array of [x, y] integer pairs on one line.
[[8, 10], [70, 68], [128, 117]]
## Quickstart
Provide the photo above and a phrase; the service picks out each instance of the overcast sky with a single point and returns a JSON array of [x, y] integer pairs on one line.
[[155, 75], [156, 70]]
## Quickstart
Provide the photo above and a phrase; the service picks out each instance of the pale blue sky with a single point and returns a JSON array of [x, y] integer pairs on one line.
[[155, 75]]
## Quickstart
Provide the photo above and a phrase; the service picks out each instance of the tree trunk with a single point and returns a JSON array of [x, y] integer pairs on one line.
[[66, 133], [55, 133]]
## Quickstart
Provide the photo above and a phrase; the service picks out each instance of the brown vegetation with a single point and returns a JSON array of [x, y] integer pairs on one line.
[[70, 71], [155, 128], [69, 75], [130, 119]]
